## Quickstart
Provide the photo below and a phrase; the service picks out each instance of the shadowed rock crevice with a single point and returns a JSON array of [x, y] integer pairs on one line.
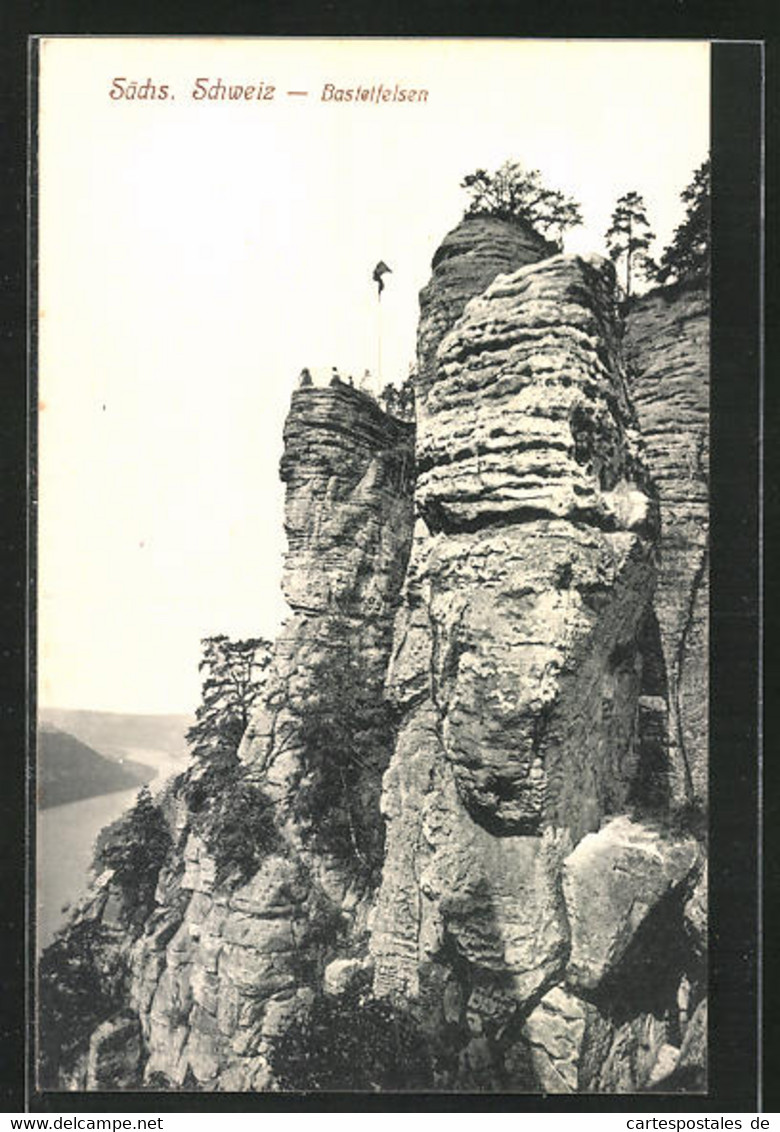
[[667, 354]]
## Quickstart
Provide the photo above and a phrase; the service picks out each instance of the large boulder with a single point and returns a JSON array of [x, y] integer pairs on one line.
[[612, 882], [569, 1040]]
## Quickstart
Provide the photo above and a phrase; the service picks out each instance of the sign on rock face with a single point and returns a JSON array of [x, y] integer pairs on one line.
[[441, 823]]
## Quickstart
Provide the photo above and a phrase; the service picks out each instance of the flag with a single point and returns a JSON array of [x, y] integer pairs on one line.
[[380, 270]]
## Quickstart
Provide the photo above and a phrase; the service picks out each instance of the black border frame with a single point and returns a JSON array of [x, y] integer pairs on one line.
[[737, 490]]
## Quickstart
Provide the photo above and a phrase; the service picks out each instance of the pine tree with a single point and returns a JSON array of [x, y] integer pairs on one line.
[[558, 214], [688, 255], [228, 809], [234, 677], [135, 848], [629, 237]]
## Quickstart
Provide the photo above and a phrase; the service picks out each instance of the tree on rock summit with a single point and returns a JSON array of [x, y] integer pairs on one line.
[[628, 238], [514, 193], [688, 255]]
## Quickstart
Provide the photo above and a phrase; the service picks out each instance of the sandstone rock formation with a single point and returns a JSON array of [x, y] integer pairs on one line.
[[214, 984], [479, 713], [526, 675], [611, 883], [466, 261]]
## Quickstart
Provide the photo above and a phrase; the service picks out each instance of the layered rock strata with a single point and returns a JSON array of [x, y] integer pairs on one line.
[[511, 689], [667, 353], [214, 982], [524, 667], [466, 261]]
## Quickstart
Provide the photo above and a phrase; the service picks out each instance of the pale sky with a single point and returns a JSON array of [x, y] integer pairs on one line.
[[195, 255]]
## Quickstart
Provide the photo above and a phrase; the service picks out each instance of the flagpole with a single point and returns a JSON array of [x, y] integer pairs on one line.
[[379, 341], [380, 270]]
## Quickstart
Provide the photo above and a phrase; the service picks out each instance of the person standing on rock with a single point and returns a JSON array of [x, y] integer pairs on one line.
[[305, 379]]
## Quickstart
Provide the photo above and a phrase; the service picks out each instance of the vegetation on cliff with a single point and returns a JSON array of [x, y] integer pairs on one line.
[[352, 1042], [687, 258], [135, 848], [233, 677], [629, 237], [235, 818], [228, 810], [82, 981], [338, 748], [83, 974], [514, 193]]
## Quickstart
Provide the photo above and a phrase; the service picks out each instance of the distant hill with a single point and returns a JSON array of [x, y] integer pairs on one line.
[[69, 770], [112, 734]]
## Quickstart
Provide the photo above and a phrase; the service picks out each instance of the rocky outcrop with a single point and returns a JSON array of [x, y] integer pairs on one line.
[[569, 1042], [667, 353], [524, 671], [466, 261], [619, 1021], [349, 474], [536, 577], [478, 720], [215, 983], [612, 882]]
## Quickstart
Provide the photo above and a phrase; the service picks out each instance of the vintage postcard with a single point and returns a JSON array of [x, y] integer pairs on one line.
[[373, 561]]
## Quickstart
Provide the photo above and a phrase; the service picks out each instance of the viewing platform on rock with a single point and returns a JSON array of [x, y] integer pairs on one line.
[[396, 401], [340, 403]]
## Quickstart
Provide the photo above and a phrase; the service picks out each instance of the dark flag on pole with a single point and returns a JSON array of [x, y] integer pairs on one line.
[[380, 270]]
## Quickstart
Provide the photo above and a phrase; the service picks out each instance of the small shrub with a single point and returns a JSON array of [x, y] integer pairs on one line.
[[352, 1042]]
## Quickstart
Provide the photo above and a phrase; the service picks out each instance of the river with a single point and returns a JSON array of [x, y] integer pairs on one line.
[[65, 839]]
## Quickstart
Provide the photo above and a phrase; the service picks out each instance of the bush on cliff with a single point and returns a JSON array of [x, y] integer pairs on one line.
[[352, 1042], [336, 795], [136, 847], [238, 827], [82, 980], [232, 815]]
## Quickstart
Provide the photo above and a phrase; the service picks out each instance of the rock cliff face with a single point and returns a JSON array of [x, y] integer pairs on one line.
[[667, 352], [467, 260], [220, 969], [525, 673], [480, 713]]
